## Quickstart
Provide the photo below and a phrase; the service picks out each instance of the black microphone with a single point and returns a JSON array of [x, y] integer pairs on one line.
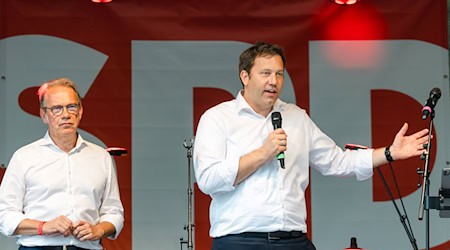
[[428, 108], [276, 122]]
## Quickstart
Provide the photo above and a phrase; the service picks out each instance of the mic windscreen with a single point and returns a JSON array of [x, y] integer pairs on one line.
[[276, 120], [435, 92]]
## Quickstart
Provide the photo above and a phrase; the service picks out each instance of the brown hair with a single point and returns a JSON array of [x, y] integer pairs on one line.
[[247, 58]]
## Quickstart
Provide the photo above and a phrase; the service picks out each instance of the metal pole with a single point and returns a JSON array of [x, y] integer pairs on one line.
[[190, 226]]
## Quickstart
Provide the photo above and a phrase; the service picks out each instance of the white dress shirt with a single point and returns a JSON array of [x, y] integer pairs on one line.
[[272, 198], [43, 182]]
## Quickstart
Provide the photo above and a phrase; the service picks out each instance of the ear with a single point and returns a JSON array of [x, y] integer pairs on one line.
[[43, 116], [244, 77]]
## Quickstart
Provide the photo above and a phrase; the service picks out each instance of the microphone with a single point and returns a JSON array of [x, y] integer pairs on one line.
[[276, 122], [428, 108]]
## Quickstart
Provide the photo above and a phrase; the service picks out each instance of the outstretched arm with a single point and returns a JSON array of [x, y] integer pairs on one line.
[[403, 146]]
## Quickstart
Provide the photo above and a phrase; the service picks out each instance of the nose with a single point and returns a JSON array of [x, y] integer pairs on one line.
[[65, 112], [273, 79]]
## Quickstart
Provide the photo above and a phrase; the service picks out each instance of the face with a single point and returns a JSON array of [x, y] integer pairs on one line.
[[263, 84], [66, 123]]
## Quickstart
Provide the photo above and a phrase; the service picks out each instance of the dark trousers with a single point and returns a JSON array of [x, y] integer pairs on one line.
[[244, 242]]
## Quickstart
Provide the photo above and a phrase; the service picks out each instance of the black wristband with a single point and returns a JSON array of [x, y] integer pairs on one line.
[[388, 155]]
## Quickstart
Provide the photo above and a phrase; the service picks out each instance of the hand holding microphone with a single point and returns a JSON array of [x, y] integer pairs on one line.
[[276, 122]]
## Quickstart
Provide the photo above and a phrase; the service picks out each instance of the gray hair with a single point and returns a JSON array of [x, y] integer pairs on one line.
[[56, 82]]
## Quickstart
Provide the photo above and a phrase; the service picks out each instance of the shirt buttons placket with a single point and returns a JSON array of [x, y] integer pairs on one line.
[[69, 174]]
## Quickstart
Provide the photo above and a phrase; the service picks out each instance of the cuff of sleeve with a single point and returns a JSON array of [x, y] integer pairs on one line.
[[10, 224], [364, 170], [229, 174], [117, 221]]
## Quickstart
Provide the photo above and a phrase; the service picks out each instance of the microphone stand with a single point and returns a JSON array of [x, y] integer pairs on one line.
[[190, 226], [403, 218], [425, 194]]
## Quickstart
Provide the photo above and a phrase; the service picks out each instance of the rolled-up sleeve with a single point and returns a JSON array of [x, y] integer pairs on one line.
[[329, 159], [215, 167], [364, 165], [12, 190], [111, 209]]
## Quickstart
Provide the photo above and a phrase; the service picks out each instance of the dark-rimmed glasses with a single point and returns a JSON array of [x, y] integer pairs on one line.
[[72, 108]]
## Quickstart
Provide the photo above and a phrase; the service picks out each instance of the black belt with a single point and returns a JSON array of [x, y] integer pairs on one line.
[[56, 248], [278, 235]]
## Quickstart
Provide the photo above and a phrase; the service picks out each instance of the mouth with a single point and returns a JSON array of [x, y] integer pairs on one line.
[[66, 124], [271, 91]]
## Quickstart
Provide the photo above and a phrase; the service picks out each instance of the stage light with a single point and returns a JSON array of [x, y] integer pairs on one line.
[[117, 151], [345, 2], [353, 245], [101, 1]]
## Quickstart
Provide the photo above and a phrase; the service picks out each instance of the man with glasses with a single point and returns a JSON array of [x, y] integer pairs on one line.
[[60, 192]]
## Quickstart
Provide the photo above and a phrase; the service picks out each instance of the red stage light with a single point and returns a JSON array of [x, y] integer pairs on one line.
[[101, 1], [345, 2]]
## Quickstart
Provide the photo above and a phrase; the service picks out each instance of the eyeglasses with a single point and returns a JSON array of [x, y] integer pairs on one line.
[[72, 108]]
